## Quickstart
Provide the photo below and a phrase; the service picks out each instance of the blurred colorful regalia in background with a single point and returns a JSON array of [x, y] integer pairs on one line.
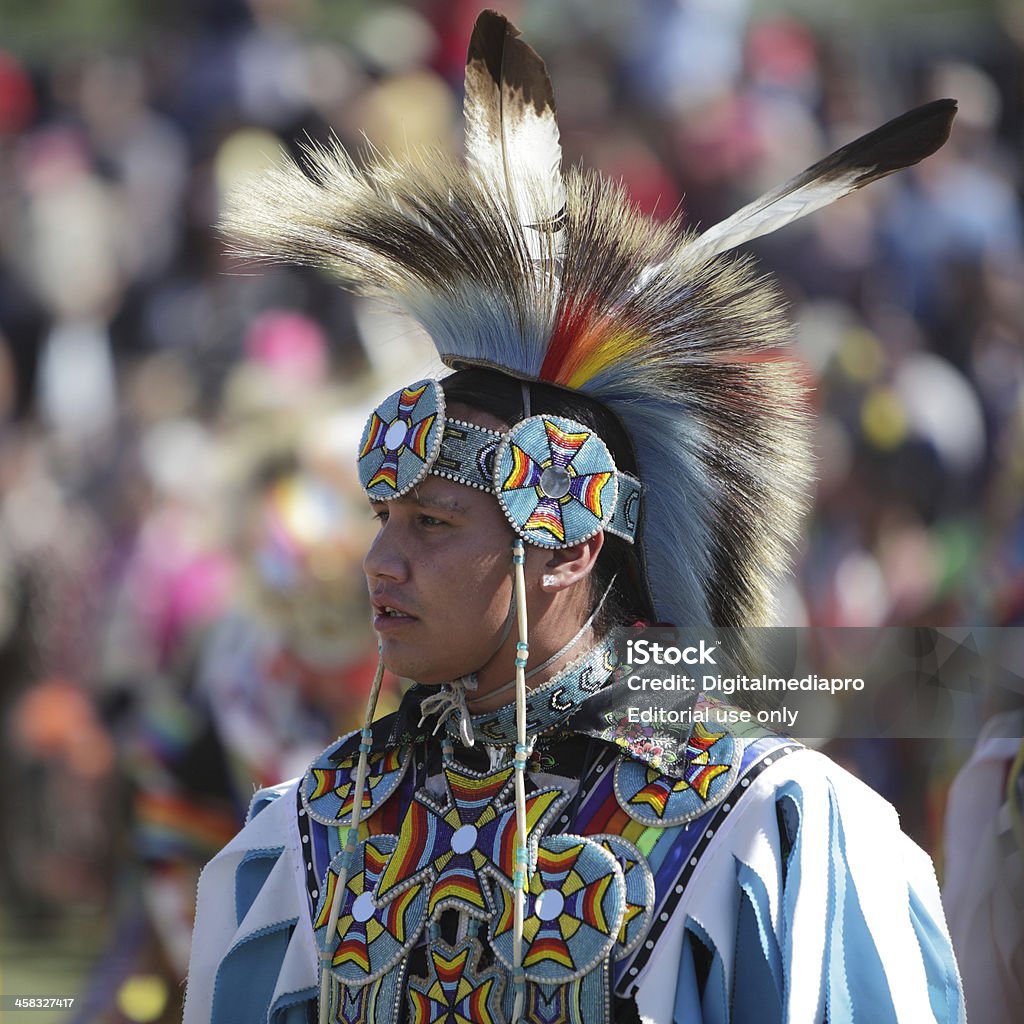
[[269, 687]]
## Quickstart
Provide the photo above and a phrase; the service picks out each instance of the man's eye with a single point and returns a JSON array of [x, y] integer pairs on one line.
[[431, 521], [380, 514]]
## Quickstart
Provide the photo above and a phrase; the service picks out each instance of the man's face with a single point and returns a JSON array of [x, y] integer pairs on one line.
[[439, 576], [442, 560]]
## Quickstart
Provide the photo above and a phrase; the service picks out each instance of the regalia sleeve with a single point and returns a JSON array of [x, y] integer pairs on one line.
[[809, 905], [253, 957]]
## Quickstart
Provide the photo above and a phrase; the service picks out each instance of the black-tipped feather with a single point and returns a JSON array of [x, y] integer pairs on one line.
[[897, 144], [512, 144]]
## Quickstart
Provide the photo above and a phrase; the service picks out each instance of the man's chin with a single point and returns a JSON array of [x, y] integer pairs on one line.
[[410, 664]]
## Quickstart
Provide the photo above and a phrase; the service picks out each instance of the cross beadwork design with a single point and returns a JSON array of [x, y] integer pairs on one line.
[[556, 481], [401, 440], [707, 765], [455, 990], [450, 849]]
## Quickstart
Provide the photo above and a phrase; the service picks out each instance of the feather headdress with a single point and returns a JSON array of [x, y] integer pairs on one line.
[[508, 264]]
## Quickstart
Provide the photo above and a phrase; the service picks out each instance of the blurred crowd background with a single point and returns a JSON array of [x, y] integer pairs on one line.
[[182, 613]]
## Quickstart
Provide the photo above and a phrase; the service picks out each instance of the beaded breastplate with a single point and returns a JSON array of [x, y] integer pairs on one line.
[[425, 930]]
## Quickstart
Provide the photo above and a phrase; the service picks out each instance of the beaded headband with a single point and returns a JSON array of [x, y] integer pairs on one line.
[[554, 477]]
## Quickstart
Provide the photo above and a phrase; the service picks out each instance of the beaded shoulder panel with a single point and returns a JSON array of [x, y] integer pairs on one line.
[[326, 789]]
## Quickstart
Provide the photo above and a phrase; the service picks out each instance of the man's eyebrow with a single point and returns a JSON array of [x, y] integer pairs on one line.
[[452, 505], [436, 504]]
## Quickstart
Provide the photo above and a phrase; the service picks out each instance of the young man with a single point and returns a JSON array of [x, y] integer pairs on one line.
[[619, 444]]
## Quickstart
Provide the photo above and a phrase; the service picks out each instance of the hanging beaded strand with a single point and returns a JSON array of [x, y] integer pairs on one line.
[[329, 990], [520, 881]]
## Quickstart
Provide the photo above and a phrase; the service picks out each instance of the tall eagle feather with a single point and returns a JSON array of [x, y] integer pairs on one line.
[[512, 141]]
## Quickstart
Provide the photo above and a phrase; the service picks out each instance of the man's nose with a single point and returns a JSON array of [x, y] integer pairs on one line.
[[386, 558]]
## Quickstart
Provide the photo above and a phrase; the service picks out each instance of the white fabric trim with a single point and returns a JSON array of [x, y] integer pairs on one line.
[[281, 899]]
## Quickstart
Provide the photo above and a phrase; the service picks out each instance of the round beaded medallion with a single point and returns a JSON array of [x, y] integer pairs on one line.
[[401, 440], [555, 480]]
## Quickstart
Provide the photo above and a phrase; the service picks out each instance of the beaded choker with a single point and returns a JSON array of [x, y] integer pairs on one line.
[[551, 704]]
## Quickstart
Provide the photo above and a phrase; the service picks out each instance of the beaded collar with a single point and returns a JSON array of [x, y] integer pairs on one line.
[[554, 702]]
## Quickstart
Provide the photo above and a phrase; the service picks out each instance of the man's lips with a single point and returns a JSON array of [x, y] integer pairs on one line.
[[387, 615]]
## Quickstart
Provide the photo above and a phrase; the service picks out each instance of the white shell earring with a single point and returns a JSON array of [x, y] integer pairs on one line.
[[547, 580]]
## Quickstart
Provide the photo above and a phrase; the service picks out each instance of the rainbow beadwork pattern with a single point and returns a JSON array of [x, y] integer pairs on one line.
[[708, 768], [372, 935], [327, 788], [455, 989], [639, 892], [556, 481], [615, 877], [456, 850], [576, 903], [401, 440]]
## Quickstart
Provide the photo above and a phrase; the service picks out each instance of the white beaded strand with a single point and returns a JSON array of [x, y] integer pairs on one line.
[[522, 753]]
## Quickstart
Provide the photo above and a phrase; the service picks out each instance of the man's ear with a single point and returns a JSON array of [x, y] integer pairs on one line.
[[567, 566]]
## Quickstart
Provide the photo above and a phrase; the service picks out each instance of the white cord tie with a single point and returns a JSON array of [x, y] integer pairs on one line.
[[448, 701]]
